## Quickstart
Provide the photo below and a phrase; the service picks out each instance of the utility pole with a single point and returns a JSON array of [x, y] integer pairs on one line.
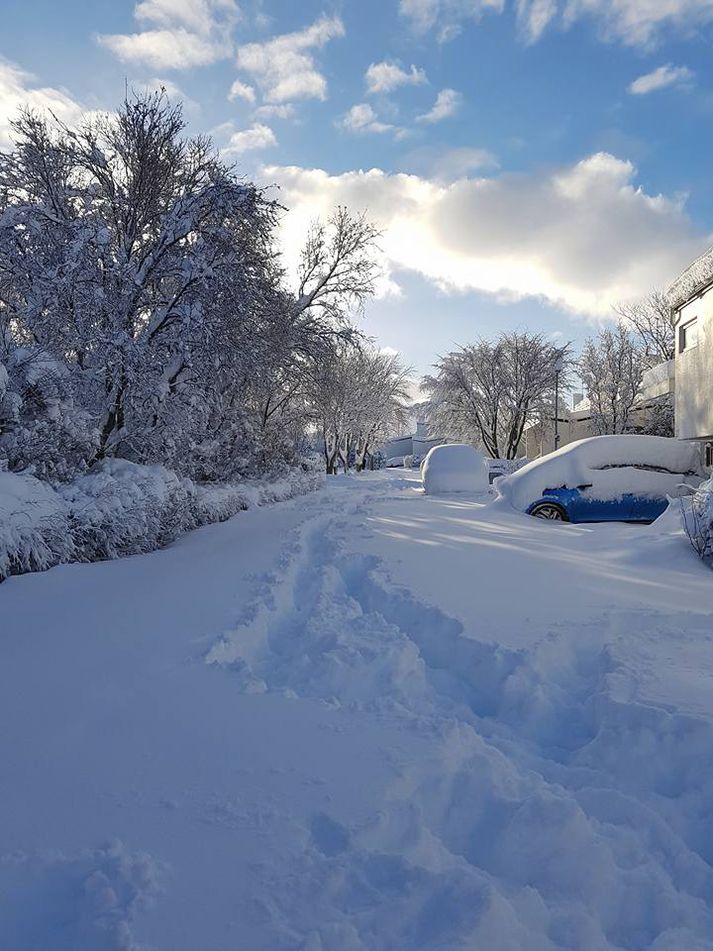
[[559, 365]]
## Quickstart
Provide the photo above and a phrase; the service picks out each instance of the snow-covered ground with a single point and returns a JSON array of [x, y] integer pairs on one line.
[[362, 720]]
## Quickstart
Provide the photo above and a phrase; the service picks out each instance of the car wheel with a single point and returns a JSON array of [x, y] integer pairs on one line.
[[548, 510]]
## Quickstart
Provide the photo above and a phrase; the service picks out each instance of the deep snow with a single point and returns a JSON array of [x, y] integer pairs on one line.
[[365, 719]]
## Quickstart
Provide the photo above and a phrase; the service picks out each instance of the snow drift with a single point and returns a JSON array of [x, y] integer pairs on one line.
[[612, 465], [454, 468]]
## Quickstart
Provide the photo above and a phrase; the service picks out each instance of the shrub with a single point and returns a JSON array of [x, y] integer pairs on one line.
[[697, 511]]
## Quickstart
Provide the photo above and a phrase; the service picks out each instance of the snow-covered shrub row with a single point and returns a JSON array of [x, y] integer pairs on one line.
[[120, 508], [698, 520]]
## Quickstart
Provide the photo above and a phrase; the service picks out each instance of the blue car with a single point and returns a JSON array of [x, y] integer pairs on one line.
[[623, 478], [578, 505]]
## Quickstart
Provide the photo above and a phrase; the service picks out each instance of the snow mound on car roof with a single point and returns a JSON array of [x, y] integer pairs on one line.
[[604, 462], [454, 468]]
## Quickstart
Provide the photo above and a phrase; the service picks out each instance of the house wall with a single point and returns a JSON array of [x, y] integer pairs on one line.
[[539, 439], [398, 447], [694, 372]]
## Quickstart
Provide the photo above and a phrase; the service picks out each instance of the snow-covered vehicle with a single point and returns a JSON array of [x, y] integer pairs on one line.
[[395, 462], [454, 468], [623, 478]]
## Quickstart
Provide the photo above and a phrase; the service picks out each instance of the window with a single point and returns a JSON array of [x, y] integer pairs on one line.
[[709, 455], [688, 335]]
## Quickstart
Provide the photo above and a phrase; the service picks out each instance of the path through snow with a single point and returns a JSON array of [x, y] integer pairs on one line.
[[423, 724]]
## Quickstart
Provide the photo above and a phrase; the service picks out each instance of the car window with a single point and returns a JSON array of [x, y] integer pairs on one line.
[[642, 467]]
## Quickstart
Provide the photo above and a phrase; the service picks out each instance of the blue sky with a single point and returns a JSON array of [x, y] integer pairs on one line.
[[530, 161]]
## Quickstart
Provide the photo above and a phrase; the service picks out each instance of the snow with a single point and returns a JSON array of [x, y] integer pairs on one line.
[[609, 464], [361, 720], [692, 280], [454, 468]]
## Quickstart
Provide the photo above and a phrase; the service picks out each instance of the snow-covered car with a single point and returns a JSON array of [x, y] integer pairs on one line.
[[395, 462], [454, 468], [623, 478]]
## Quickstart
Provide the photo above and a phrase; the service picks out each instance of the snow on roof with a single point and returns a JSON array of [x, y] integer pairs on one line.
[[693, 279]]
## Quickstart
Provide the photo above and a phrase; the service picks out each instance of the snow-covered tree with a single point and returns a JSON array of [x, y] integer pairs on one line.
[[144, 312], [357, 399], [486, 392], [650, 320], [611, 367]]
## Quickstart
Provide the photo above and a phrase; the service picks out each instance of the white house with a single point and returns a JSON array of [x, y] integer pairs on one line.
[[416, 444], [691, 298], [657, 384]]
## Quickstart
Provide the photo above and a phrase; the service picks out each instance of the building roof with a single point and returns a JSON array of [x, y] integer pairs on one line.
[[694, 279]]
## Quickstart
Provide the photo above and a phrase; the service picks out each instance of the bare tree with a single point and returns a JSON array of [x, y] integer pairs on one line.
[[611, 367], [358, 398], [338, 268], [488, 391], [650, 319], [381, 397]]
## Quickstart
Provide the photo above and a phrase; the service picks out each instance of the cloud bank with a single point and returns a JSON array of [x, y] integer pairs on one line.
[[582, 236]]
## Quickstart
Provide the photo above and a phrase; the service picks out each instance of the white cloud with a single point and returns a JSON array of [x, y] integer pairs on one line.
[[386, 76], [284, 67], [633, 22], [639, 22], [456, 163], [187, 33], [447, 103], [258, 136], [19, 88], [534, 16], [283, 110], [582, 236], [362, 118], [198, 16], [446, 15], [240, 90], [660, 78]]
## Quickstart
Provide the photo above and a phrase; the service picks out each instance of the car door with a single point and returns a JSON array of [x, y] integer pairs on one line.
[[593, 503], [606, 496]]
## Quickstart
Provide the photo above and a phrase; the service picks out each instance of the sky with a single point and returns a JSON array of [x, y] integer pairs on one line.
[[530, 162]]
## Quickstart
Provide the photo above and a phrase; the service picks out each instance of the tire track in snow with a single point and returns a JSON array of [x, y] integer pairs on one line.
[[524, 828]]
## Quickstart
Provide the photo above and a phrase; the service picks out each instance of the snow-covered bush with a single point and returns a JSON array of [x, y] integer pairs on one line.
[[122, 508], [43, 432], [697, 513], [34, 526]]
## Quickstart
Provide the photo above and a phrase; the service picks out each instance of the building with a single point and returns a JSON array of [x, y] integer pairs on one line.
[[656, 389], [691, 298], [417, 444]]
